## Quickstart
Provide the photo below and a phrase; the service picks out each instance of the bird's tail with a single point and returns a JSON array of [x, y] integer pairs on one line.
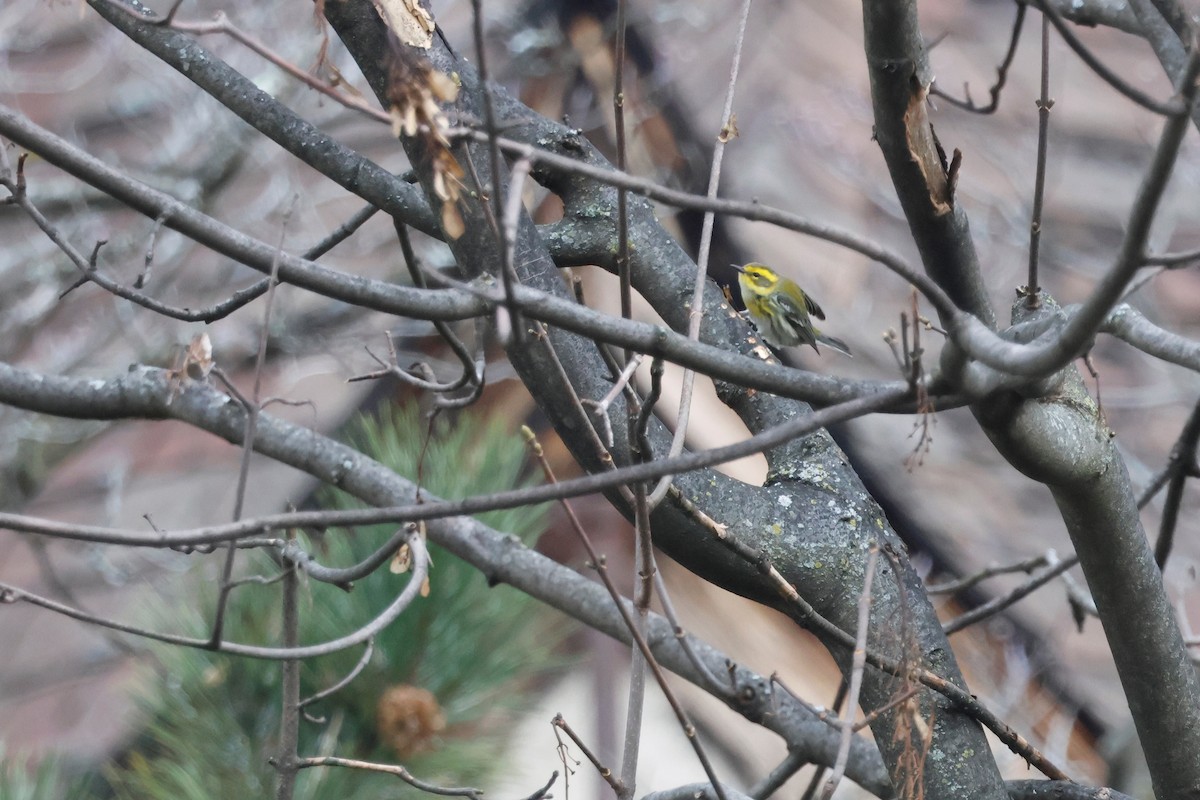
[[834, 344]]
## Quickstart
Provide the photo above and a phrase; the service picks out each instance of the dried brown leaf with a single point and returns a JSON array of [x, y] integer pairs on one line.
[[729, 130], [452, 221], [402, 561], [198, 360]]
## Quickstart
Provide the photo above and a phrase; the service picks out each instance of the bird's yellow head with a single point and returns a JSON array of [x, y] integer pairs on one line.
[[757, 279]]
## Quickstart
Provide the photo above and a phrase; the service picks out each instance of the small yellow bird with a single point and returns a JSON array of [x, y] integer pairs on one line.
[[780, 309]]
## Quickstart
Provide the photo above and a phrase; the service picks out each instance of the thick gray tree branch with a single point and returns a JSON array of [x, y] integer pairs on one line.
[[447, 304], [900, 78], [1053, 352], [1057, 438], [1169, 35], [562, 365], [1131, 326], [1111, 13], [837, 526], [151, 394]]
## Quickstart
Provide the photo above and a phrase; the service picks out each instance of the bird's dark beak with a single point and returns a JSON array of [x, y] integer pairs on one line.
[[737, 268]]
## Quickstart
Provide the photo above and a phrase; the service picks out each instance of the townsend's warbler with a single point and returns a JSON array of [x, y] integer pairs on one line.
[[780, 309]]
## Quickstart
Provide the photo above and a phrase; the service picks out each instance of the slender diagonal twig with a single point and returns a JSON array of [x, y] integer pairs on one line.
[[962, 584], [712, 684], [394, 770], [496, 194], [359, 666], [967, 104], [727, 132], [559, 723], [220, 24], [1182, 465], [344, 577], [470, 375], [776, 778], [767, 439], [857, 665], [998, 604], [253, 407], [966, 702], [643, 561], [631, 624], [1184, 258]]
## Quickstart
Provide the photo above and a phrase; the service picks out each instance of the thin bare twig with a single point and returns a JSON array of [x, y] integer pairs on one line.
[[512, 326], [1168, 108], [344, 577], [257, 580], [713, 684], [1183, 258], [1080, 599], [636, 697], [514, 205], [771, 437], [427, 381], [749, 210], [560, 724], [600, 407], [875, 713], [472, 368], [792, 763], [148, 258], [287, 753], [1032, 288], [365, 659], [623, 276], [420, 571], [643, 561], [253, 408], [643, 593], [966, 702], [391, 769], [968, 104], [728, 131], [962, 584], [598, 564], [1054, 568], [220, 24], [857, 665], [814, 783], [644, 571], [544, 790], [1181, 466]]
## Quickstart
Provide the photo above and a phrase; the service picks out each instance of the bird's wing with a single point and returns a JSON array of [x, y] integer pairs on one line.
[[812, 306], [790, 308]]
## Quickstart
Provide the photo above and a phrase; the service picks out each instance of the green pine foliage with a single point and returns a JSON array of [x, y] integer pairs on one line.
[[214, 719], [20, 779]]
